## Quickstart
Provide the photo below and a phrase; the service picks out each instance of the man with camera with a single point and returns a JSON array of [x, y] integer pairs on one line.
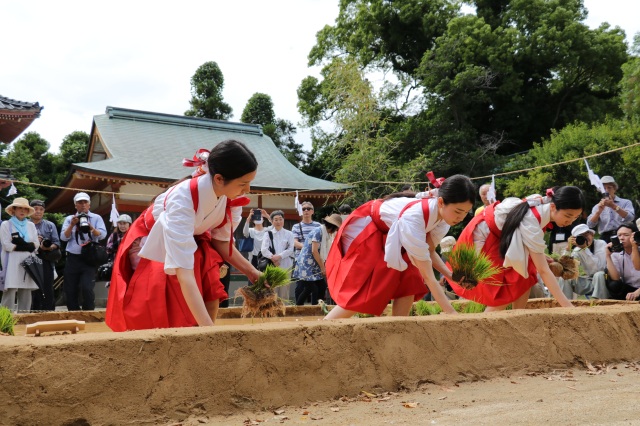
[[611, 211], [79, 274], [623, 266], [49, 252], [591, 253]]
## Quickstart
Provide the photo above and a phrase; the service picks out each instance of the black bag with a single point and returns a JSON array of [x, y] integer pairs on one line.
[[104, 272], [94, 254], [263, 262], [50, 255]]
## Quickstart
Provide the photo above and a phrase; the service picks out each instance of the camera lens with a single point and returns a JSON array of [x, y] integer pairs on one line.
[[580, 240], [46, 243]]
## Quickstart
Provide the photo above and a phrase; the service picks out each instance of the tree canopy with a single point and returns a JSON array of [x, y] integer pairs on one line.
[[206, 94], [462, 90]]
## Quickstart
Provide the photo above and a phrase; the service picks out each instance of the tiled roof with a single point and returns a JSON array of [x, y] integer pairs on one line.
[[151, 146], [14, 105]]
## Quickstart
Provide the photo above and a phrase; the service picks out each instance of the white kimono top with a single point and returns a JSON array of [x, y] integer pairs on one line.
[[410, 230], [171, 238], [528, 237]]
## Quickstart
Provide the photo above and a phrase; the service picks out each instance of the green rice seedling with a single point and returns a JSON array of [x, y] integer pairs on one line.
[[422, 308], [469, 267], [7, 321], [260, 300], [473, 308]]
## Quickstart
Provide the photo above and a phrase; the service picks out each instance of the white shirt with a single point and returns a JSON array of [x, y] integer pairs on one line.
[[283, 243], [410, 230], [528, 237], [592, 262], [171, 238]]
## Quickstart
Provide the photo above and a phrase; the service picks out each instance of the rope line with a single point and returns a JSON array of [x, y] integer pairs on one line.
[[349, 184]]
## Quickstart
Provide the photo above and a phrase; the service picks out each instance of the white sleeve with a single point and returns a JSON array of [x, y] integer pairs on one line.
[[480, 235], [527, 237], [177, 226], [409, 231]]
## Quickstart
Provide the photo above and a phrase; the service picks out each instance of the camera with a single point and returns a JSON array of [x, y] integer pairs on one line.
[[83, 223], [256, 214], [636, 237], [605, 195], [580, 240], [616, 245], [46, 243]]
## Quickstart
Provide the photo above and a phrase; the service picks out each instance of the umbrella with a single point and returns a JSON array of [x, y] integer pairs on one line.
[[33, 266]]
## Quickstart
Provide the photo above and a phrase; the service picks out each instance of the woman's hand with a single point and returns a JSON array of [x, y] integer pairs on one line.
[[633, 296]]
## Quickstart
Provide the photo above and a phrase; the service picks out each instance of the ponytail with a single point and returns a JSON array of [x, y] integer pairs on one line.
[[513, 221]]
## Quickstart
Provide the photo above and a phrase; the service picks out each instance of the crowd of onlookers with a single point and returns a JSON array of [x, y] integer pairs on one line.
[[606, 246]]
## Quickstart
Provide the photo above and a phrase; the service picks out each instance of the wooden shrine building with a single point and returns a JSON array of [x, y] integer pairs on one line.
[[15, 117]]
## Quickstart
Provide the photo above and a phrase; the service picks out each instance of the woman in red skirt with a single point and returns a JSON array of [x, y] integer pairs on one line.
[[385, 250], [511, 233], [167, 269]]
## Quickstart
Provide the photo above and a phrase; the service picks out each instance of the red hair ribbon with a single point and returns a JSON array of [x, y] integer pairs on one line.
[[199, 160], [549, 192], [435, 182]]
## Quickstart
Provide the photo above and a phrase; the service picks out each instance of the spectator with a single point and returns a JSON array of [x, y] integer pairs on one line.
[[591, 253], [611, 212], [300, 232], [283, 244], [79, 276], [48, 242], [310, 268], [345, 210], [623, 268], [122, 226], [257, 233], [19, 237], [484, 189]]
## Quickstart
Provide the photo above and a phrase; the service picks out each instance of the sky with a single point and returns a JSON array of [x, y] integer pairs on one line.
[[77, 57]]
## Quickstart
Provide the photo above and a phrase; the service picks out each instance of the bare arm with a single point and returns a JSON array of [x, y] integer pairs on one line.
[[192, 296], [612, 271], [426, 271], [540, 261], [635, 255], [436, 260]]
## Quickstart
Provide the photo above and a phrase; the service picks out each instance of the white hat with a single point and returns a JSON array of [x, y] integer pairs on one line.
[[80, 196], [607, 179], [446, 244], [124, 218], [581, 229]]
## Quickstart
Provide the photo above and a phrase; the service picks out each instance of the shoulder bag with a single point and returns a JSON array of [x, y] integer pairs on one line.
[[263, 261]]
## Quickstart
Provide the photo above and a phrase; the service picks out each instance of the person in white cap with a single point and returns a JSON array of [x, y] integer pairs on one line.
[[79, 276], [123, 223], [591, 253], [611, 212]]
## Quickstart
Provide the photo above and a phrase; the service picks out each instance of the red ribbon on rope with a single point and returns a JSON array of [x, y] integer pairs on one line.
[[435, 182]]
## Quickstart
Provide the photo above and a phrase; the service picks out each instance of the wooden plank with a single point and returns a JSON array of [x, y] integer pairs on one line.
[[61, 325]]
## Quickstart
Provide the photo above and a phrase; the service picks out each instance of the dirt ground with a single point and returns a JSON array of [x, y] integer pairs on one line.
[[593, 395], [536, 366]]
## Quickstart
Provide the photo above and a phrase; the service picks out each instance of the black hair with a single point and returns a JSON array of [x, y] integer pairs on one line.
[[330, 226], [628, 225], [231, 159], [454, 189], [564, 197], [345, 209]]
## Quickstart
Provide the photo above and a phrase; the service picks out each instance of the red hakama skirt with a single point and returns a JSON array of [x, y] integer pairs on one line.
[[147, 297], [360, 280]]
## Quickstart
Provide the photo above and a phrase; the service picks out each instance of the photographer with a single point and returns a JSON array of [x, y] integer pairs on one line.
[[591, 253], [623, 264], [49, 252], [79, 275], [611, 211], [257, 216]]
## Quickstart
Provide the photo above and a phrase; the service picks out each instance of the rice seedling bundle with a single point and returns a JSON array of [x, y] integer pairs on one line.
[[7, 321], [469, 267], [260, 300]]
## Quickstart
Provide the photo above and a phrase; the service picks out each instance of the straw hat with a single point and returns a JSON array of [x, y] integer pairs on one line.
[[335, 219], [19, 202]]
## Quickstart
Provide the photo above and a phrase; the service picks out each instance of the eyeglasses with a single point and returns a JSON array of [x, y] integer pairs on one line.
[[307, 208]]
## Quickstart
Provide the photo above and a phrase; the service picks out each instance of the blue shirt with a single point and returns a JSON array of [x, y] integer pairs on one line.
[[48, 231], [302, 236], [609, 219], [75, 247]]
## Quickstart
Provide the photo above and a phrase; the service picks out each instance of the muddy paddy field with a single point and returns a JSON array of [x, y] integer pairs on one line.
[[533, 366]]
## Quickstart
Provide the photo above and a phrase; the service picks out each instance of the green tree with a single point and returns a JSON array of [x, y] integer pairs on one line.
[[74, 149], [259, 110], [206, 94], [630, 84]]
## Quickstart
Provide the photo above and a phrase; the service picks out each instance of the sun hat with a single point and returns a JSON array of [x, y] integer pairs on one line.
[[581, 229], [81, 196], [124, 218], [607, 179], [446, 244], [19, 202], [335, 219]]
